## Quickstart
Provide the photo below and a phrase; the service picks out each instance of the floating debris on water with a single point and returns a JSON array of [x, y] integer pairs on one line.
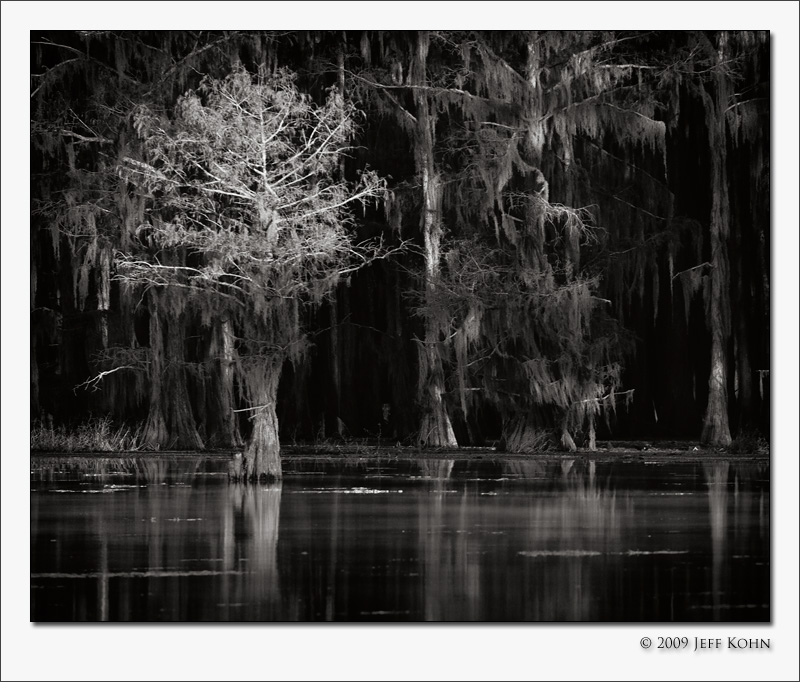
[[343, 491], [639, 552], [561, 553], [591, 552]]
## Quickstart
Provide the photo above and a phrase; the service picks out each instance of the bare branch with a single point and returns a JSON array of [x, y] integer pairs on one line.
[[94, 382], [683, 272]]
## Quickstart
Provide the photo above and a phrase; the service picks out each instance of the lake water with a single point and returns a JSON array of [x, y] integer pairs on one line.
[[170, 539]]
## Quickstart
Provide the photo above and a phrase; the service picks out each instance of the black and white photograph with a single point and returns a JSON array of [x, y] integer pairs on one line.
[[402, 326]]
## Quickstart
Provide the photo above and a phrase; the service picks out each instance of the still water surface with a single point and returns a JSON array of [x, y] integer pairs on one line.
[[170, 539]]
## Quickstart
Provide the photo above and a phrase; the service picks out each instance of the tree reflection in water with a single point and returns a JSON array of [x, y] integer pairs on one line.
[[250, 543], [716, 475], [733, 528], [469, 537], [440, 540], [450, 567], [574, 540]]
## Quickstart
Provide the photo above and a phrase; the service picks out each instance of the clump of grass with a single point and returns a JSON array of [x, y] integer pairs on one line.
[[95, 435], [748, 443], [526, 439]]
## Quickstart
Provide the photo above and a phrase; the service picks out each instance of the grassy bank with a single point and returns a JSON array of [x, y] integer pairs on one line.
[[95, 435], [102, 435]]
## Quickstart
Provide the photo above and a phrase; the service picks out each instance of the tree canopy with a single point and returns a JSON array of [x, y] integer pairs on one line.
[[452, 236]]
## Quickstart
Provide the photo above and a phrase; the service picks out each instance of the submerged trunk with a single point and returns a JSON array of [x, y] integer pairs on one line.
[[261, 459]]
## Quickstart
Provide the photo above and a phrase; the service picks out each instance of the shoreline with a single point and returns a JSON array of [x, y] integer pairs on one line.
[[612, 452]]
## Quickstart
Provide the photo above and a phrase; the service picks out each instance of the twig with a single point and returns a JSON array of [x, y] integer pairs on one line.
[[682, 272], [94, 382], [83, 138], [253, 409], [747, 101]]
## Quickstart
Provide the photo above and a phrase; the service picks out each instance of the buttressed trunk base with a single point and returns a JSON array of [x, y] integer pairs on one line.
[[715, 425], [261, 459], [436, 431]]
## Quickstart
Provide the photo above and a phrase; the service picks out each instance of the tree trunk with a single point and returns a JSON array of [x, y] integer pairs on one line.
[[170, 423], [567, 441], [346, 361], [715, 424], [261, 459], [435, 428], [592, 445], [104, 293], [155, 430], [745, 375], [34, 378], [332, 399], [436, 431], [745, 220], [716, 430], [180, 419], [223, 430]]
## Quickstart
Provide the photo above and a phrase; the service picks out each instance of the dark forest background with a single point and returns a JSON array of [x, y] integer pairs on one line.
[[572, 229]]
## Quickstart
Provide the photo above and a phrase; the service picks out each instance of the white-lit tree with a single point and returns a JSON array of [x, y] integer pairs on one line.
[[248, 223]]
